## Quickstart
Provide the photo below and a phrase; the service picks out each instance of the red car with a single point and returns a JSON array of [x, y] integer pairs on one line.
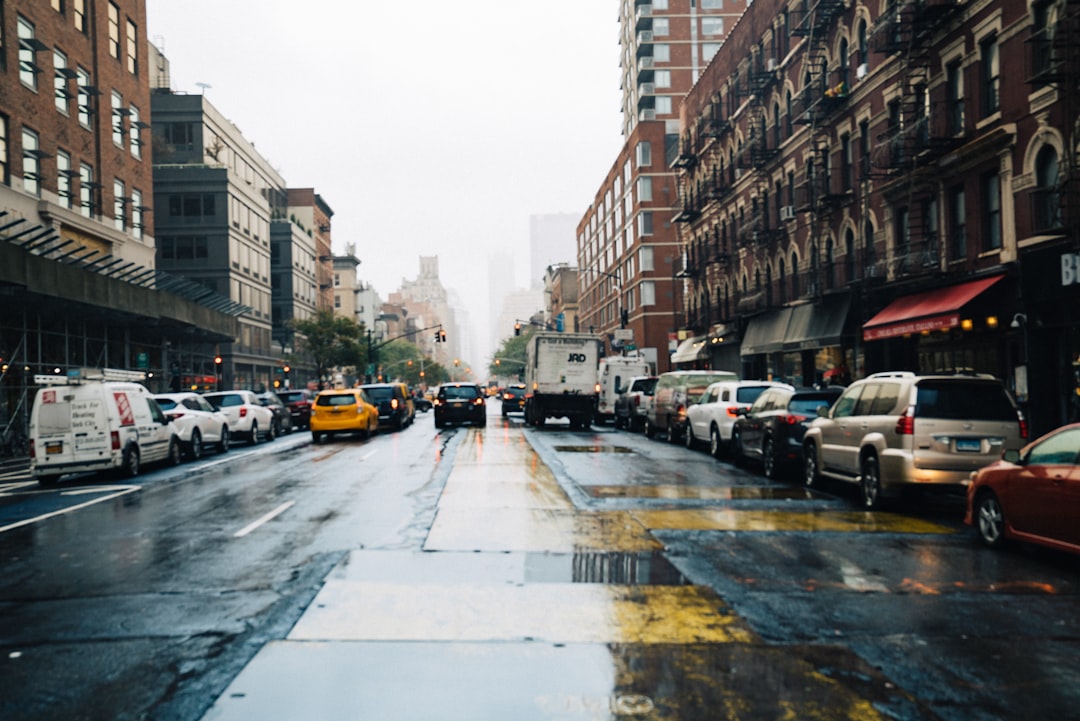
[[1031, 495]]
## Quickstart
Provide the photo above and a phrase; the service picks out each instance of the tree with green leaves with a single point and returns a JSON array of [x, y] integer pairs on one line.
[[509, 359], [330, 342]]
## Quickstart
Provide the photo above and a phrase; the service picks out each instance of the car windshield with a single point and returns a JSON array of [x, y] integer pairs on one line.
[[460, 392], [167, 404], [810, 404], [963, 400], [648, 387], [749, 394], [227, 401], [343, 399], [515, 392], [380, 393], [292, 397]]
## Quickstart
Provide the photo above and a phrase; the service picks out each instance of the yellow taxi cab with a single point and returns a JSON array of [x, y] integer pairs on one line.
[[345, 410]]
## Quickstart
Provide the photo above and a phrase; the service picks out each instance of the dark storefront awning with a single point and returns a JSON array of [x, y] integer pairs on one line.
[[691, 350], [933, 310], [766, 332], [817, 325]]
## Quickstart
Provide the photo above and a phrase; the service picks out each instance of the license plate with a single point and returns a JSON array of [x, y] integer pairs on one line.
[[968, 445], [54, 447]]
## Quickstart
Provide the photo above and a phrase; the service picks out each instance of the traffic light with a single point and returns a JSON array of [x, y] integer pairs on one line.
[[286, 369], [438, 336], [442, 336], [217, 360], [517, 328]]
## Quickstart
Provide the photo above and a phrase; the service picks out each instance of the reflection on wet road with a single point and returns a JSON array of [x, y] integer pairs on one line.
[[522, 605]]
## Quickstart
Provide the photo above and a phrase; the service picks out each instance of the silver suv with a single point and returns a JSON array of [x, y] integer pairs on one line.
[[895, 430]]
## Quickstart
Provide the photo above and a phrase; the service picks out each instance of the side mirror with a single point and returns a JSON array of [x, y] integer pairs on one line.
[[1012, 455], [823, 411]]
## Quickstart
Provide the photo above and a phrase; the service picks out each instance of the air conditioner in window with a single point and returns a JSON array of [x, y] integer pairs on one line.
[[861, 71], [771, 64], [787, 212]]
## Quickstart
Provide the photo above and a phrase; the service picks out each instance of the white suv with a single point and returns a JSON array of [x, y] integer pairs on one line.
[[901, 430], [713, 415], [248, 417]]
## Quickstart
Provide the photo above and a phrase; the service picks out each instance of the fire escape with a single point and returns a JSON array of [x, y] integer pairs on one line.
[[921, 128], [1052, 59], [819, 192]]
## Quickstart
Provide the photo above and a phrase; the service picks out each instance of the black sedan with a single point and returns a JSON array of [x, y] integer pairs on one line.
[[771, 430]]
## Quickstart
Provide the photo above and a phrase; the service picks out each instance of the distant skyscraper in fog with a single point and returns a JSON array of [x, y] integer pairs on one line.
[[552, 240]]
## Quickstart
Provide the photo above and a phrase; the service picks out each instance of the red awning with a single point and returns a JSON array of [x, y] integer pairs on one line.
[[932, 310]]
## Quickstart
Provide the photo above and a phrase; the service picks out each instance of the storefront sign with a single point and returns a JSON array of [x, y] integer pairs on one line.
[[1070, 269]]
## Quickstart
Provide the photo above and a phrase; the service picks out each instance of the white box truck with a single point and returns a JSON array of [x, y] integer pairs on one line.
[[615, 374], [562, 378]]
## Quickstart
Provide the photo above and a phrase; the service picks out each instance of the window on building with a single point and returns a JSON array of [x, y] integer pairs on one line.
[[954, 97], [1042, 40], [60, 81], [57, 5], [644, 154], [118, 112], [644, 189], [137, 213], [862, 59], [648, 292], [114, 30], [663, 105], [1046, 210], [864, 149], [660, 4], [135, 131], [180, 135], [712, 4], [990, 72], [183, 247], [645, 258], [86, 190], [78, 15], [192, 205], [83, 85], [31, 152], [132, 48], [991, 183], [662, 78], [63, 179], [846, 163], [789, 118], [849, 255], [119, 198], [645, 223], [712, 25], [902, 234], [957, 223], [5, 164], [661, 53], [660, 27], [708, 50], [28, 46]]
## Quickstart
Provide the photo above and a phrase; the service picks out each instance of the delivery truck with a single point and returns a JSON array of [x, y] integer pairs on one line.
[[562, 377]]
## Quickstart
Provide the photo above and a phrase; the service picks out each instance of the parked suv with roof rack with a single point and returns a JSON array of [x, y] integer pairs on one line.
[[899, 430]]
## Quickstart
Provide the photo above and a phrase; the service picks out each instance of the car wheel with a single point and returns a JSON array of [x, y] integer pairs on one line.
[[990, 520], [254, 436], [716, 446], [176, 453], [811, 475], [316, 437], [688, 437], [130, 462], [672, 436], [481, 424], [223, 440], [438, 423], [650, 430], [768, 459], [871, 482], [195, 447], [737, 456], [273, 431]]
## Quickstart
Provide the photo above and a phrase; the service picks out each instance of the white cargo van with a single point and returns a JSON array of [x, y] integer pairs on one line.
[[97, 420]]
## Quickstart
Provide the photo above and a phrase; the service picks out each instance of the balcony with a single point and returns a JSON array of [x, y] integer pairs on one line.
[[907, 23], [814, 104], [686, 158], [917, 143], [759, 80], [689, 208], [816, 18], [758, 230]]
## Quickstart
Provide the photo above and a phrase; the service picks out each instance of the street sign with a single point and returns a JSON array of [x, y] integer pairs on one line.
[[624, 334]]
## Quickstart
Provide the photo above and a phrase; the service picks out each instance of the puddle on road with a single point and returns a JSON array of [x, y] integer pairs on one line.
[[593, 449], [704, 493], [759, 520]]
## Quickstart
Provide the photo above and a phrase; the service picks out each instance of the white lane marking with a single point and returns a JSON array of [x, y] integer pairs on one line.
[[124, 490], [268, 517], [856, 579], [367, 455]]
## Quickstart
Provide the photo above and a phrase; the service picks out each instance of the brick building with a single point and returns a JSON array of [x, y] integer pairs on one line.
[[863, 187]]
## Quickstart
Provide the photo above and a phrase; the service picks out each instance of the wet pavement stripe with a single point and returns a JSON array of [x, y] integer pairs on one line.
[[546, 612], [704, 493], [726, 519]]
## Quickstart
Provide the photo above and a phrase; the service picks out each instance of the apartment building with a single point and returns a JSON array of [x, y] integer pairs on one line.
[[868, 186], [628, 249], [77, 247]]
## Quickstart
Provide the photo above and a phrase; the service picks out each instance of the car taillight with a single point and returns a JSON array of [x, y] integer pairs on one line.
[[174, 415], [597, 389], [115, 437], [1023, 425], [791, 419], [478, 402], [243, 411], [733, 411], [905, 424], [637, 401], [394, 403], [436, 402]]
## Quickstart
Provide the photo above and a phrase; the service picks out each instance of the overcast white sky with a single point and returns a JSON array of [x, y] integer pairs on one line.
[[431, 128]]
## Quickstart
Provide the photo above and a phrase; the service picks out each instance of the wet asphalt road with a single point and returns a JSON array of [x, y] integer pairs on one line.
[[511, 573]]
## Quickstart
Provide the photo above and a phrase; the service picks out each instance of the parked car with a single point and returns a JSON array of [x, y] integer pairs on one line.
[[248, 417], [460, 403], [197, 422], [898, 430], [513, 399], [630, 410], [396, 409], [675, 391], [345, 410], [421, 402], [103, 420], [1030, 495], [299, 404], [713, 415], [771, 430], [282, 416]]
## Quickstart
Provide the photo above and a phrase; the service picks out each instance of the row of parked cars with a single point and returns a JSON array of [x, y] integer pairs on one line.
[[888, 434]]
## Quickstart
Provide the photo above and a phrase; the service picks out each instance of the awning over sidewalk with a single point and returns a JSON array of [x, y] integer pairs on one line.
[[817, 325], [765, 333], [690, 350], [933, 310]]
